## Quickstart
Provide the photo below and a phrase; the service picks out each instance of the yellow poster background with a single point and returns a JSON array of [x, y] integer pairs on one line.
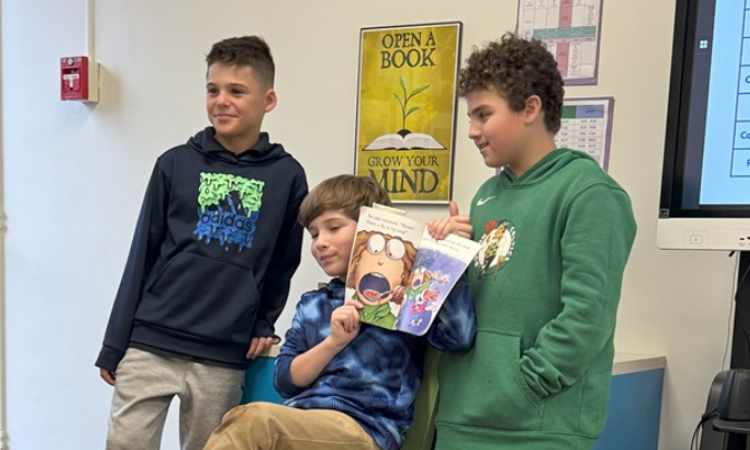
[[407, 82]]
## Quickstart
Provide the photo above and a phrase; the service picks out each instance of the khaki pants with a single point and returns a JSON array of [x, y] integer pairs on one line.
[[267, 426], [144, 387]]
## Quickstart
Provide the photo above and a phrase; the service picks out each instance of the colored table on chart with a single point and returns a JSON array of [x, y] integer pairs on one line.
[[570, 29], [586, 125], [741, 149]]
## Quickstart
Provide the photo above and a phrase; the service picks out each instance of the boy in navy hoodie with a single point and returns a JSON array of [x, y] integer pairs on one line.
[[215, 247]]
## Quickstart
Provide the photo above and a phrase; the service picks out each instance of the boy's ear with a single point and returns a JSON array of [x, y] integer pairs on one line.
[[270, 100], [533, 109]]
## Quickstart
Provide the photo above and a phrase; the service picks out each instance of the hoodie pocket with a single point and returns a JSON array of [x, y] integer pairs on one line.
[[485, 388], [204, 297]]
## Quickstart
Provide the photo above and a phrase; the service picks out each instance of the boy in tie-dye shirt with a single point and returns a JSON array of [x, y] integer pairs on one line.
[[348, 385]]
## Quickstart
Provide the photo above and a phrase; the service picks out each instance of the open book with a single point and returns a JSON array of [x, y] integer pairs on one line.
[[400, 273], [408, 141]]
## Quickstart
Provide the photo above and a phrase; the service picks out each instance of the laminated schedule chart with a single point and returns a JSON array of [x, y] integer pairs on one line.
[[570, 29], [587, 126]]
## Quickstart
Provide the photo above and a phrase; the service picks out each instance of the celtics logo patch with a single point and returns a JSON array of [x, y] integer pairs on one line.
[[496, 246]]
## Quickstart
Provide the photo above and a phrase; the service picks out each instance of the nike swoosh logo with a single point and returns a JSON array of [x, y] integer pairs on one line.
[[482, 201]]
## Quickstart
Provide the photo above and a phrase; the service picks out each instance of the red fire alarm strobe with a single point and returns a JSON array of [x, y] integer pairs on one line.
[[75, 83]]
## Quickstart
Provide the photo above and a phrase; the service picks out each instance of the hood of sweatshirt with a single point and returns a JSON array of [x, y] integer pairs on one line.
[[262, 152], [550, 164]]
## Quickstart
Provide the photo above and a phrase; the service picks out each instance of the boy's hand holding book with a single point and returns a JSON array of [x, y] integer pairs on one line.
[[344, 325]]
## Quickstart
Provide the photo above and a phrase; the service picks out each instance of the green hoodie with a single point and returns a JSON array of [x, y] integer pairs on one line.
[[546, 283]]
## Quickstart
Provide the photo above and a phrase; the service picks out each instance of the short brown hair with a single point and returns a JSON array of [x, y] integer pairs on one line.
[[347, 193], [516, 69], [249, 51]]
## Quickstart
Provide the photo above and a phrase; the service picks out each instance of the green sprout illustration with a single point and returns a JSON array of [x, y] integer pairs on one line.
[[404, 104]]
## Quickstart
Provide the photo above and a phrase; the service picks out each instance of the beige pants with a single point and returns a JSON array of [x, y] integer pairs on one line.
[[144, 387], [267, 426]]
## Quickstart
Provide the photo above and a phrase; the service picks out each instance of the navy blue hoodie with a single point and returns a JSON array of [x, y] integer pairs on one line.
[[215, 247]]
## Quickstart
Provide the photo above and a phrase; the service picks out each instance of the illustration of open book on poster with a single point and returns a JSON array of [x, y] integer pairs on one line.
[[404, 140], [400, 273]]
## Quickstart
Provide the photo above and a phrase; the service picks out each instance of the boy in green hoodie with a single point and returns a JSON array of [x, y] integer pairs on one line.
[[556, 232]]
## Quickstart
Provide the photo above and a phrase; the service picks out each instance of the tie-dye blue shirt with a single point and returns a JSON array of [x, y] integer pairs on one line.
[[375, 378]]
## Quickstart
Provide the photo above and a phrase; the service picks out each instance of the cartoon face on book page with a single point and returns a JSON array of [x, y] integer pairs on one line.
[[380, 265]]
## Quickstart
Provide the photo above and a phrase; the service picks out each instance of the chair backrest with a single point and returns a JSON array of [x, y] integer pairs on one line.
[[259, 388]]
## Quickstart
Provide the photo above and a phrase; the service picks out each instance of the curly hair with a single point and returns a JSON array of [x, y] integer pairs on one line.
[[249, 51], [516, 69]]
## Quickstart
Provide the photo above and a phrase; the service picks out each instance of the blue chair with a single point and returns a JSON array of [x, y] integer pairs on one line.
[[259, 388]]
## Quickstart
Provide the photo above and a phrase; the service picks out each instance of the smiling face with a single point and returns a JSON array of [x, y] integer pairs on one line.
[[381, 263], [236, 101], [498, 132], [332, 237]]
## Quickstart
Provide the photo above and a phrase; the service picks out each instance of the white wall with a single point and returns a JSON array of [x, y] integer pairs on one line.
[[75, 175], [673, 303]]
